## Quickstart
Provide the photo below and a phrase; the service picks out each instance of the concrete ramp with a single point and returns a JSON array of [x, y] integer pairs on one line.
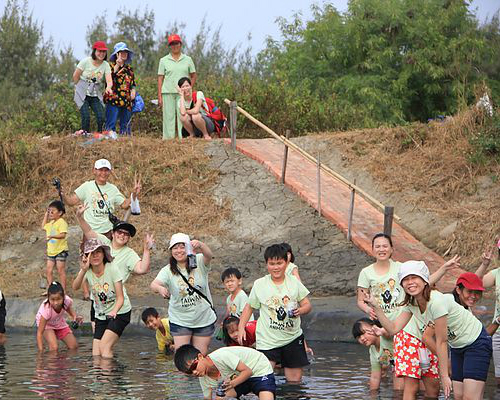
[[301, 177]]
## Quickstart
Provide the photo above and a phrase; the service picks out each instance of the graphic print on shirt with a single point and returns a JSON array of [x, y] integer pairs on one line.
[[387, 294], [386, 357], [103, 296], [98, 204], [279, 319], [188, 296]]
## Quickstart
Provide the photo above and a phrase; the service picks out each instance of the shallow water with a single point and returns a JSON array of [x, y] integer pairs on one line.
[[339, 371]]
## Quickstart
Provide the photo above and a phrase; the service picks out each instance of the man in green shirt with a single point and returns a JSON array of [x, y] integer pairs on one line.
[[173, 67]]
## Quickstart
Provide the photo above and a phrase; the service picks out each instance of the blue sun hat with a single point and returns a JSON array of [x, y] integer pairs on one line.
[[121, 46]]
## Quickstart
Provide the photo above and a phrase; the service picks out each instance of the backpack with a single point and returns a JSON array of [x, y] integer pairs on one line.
[[215, 113]]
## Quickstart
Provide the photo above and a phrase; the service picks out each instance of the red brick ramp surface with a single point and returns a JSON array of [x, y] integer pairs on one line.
[[301, 177]]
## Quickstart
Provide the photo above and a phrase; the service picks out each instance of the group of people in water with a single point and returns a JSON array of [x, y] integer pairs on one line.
[[109, 89], [409, 325]]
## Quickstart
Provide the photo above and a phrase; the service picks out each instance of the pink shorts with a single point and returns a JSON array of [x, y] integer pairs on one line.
[[406, 362], [62, 333]]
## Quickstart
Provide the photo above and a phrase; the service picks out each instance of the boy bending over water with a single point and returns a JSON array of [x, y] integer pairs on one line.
[[241, 370]]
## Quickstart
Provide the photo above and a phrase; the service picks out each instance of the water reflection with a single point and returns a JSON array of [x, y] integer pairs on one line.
[[340, 371]]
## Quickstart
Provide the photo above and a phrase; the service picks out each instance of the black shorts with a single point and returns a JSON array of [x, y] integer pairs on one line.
[[292, 355], [116, 325], [256, 385], [3, 313], [92, 311]]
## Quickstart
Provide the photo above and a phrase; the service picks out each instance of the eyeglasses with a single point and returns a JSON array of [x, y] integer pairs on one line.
[[122, 232], [192, 367]]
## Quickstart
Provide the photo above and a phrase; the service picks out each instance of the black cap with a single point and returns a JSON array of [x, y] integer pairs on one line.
[[126, 226]]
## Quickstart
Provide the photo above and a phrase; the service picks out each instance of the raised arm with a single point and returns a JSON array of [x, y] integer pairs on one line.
[[200, 247], [87, 230], [70, 199], [135, 193], [449, 265], [84, 267], [45, 217], [361, 296], [394, 326], [486, 258], [142, 266]]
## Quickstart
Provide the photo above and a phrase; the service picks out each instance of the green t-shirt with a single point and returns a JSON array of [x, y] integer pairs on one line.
[[463, 327], [103, 291], [382, 356], [54, 228], [96, 214], [226, 360], [274, 327], [174, 70], [186, 307], [90, 72], [188, 104], [289, 268], [235, 307], [124, 258], [389, 293]]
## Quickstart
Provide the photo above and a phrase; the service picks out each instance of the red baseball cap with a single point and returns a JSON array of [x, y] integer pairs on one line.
[[174, 38], [471, 281], [100, 45]]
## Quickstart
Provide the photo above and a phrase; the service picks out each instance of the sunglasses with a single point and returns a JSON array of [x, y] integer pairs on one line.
[[122, 232], [192, 367]]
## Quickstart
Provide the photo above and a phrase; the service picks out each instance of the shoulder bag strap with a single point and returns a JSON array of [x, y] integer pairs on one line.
[[198, 292]]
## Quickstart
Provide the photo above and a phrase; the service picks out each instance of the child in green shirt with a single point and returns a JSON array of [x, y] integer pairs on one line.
[[164, 339], [239, 370], [281, 300]]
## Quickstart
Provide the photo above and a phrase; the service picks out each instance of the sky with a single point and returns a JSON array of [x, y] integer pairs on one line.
[[66, 21]]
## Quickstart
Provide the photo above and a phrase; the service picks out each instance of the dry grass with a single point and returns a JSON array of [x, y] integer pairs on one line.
[[176, 181], [433, 162]]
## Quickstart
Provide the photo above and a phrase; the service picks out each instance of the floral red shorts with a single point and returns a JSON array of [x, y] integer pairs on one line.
[[406, 362]]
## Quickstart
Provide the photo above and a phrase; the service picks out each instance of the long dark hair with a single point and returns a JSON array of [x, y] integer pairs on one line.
[[55, 288]]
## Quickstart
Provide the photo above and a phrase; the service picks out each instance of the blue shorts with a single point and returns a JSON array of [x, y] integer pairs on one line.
[[59, 257], [256, 385], [178, 330], [472, 361]]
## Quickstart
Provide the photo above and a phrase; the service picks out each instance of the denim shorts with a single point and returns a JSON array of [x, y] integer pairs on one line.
[[178, 330], [59, 257], [472, 361]]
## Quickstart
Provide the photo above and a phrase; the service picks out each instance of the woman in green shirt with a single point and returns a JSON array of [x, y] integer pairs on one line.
[[470, 345], [88, 77], [190, 313], [173, 67], [112, 305]]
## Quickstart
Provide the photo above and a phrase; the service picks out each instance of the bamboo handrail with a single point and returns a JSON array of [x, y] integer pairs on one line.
[[309, 157]]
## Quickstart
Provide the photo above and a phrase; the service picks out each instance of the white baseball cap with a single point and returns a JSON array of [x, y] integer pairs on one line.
[[413, 268], [178, 238], [102, 163]]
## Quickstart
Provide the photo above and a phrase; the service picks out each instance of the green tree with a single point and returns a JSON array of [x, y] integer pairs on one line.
[[27, 59]]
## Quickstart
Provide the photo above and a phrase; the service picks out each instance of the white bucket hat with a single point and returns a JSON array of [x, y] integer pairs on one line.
[[178, 238], [413, 268], [102, 163]]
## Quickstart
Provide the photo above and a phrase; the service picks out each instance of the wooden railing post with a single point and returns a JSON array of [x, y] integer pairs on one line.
[[388, 217], [351, 213], [318, 175], [233, 114], [285, 158]]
